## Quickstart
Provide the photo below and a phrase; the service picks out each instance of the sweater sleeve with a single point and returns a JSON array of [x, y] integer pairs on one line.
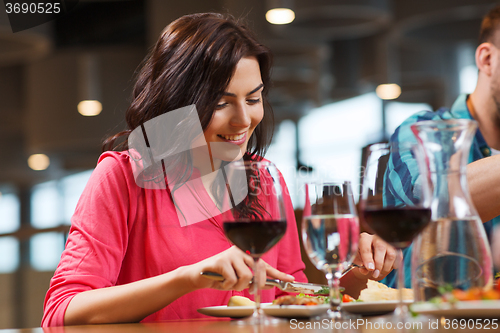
[[97, 240]]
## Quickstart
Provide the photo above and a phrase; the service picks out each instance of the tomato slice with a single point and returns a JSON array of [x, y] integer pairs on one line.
[[460, 295], [346, 299], [491, 294]]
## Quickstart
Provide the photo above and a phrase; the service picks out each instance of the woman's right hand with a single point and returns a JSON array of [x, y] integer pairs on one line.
[[235, 266]]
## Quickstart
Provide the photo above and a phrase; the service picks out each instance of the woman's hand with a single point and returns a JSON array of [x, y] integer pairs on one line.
[[134, 301], [236, 268], [378, 258]]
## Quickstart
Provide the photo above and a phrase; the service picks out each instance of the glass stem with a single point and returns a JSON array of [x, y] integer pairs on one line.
[[256, 289], [402, 309], [335, 299]]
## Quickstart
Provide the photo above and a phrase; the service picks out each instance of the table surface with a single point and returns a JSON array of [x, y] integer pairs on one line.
[[362, 324]]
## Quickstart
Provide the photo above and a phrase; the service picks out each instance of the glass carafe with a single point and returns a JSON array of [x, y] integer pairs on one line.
[[453, 251]]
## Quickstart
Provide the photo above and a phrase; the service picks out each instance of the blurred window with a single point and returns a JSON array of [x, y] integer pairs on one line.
[[468, 79], [72, 188], [46, 205], [9, 258], [45, 250], [282, 153], [467, 69], [9, 212], [10, 217], [52, 204], [331, 138]]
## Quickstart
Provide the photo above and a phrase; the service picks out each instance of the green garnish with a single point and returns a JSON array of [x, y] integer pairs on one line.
[[445, 295], [447, 288], [326, 298], [436, 300], [323, 291]]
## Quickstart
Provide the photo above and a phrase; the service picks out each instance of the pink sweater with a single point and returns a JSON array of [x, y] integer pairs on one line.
[[122, 233]]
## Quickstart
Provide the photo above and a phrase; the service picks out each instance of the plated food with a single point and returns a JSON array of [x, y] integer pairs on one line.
[[237, 308], [377, 298], [301, 300], [376, 292], [474, 294], [449, 295], [457, 303], [489, 309]]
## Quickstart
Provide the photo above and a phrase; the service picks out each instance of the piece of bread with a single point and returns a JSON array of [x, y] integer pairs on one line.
[[240, 301], [376, 291]]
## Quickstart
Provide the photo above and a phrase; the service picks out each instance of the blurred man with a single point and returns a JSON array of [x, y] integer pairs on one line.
[[483, 105]]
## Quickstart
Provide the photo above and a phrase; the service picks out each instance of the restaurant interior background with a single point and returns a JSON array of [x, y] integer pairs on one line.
[[328, 63]]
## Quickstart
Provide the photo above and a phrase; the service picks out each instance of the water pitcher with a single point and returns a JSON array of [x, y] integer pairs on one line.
[[453, 250]]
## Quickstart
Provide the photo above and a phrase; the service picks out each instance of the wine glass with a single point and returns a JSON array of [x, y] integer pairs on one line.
[[391, 206], [254, 219], [330, 233]]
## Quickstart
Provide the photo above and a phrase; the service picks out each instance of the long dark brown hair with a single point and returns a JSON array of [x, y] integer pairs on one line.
[[192, 63]]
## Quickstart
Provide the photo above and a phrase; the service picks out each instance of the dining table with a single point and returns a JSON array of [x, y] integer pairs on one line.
[[372, 324]]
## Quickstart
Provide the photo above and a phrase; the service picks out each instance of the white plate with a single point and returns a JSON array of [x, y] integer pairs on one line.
[[285, 311], [295, 311], [466, 309], [227, 311], [371, 308]]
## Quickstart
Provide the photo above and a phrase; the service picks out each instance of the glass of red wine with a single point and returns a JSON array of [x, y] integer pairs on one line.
[[393, 207], [254, 215]]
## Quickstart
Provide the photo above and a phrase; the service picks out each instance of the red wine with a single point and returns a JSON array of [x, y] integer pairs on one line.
[[255, 237], [397, 226]]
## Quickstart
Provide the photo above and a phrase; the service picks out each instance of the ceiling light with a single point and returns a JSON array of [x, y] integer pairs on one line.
[[279, 11], [89, 108], [38, 162], [89, 87], [388, 91], [280, 15]]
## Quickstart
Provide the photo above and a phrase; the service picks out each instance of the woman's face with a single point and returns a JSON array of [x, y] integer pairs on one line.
[[238, 112]]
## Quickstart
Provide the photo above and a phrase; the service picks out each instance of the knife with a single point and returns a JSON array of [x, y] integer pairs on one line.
[[291, 287]]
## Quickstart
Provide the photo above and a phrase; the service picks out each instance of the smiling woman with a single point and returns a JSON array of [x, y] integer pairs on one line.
[[213, 63]]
